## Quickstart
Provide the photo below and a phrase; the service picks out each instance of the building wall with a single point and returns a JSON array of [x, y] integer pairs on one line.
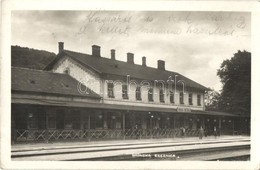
[[85, 76], [118, 99], [98, 85]]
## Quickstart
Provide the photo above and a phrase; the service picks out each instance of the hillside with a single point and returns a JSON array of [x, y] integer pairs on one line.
[[30, 58]]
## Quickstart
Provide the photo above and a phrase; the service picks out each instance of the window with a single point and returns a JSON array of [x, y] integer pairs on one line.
[[138, 93], [190, 122], [150, 95], [51, 118], [198, 100], [99, 120], [32, 121], [76, 119], [60, 118], [199, 123], [110, 90], [72, 120], [161, 96], [181, 98], [113, 120], [67, 71], [124, 91], [41, 119], [68, 121], [190, 98], [171, 97]]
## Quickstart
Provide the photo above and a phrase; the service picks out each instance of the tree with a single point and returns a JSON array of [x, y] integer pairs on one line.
[[211, 100], [30, 58], [235, 75]]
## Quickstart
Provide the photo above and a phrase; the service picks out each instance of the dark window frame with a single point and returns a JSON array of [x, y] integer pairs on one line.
[[199, 100], [190, 99], [150, 95], [161, 95], [51, 117], [68, 123], [99, 120], [110, 90], [138, 94], [171, 97], [181, 98], [125, 91], [33, 120], [67, 71]]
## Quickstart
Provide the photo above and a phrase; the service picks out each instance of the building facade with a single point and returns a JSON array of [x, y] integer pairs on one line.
[[89, 97]]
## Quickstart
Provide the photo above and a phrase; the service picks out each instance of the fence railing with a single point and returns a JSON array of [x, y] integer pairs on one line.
[[106, 134]]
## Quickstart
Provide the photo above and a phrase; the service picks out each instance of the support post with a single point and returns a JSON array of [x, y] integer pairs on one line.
[[47, 126], [204, 126], [219, 125], [233, 126], [82, 121], [123, 127], [89, 126], [13, 129], [174, 125], [150, 127]]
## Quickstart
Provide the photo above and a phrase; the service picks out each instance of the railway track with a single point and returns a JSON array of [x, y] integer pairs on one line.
[[168, 150]]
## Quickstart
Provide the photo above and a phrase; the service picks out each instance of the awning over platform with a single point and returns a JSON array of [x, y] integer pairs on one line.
[[96, 105], [220, 113]]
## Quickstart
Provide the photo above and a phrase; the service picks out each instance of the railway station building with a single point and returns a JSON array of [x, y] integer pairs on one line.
[[89, 97]]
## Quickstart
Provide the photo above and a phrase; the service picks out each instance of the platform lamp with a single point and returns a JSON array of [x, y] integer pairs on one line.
[[151, 121]]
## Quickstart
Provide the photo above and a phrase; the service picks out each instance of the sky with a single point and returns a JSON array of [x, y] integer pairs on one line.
[[193, 44]]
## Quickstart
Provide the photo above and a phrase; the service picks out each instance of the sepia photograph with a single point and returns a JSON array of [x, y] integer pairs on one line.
[[119, 85], [124, 85]]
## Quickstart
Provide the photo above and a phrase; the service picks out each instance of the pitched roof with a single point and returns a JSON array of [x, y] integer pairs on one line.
[[39, 81], [108, 66]]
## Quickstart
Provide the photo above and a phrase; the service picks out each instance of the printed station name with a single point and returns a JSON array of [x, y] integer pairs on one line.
[[154, 156]]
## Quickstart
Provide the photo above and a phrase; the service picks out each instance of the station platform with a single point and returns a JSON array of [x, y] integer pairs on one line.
[[32, 146], [138, 149]]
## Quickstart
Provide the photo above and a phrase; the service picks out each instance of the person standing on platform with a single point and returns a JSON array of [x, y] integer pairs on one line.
[[201, 132], [136, 131], [182, 131], [206, 131], [215, 131]]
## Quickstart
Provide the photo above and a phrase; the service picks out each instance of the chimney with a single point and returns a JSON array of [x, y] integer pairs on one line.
[[143, 61], [113, 54], [96, 50], [61, 46], [130, 58], [161, 65]]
